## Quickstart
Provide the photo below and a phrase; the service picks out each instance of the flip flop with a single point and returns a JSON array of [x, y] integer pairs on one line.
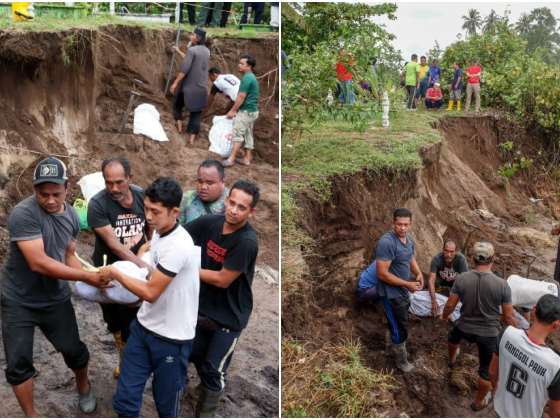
[[486, 401], [240, 162], [226, 164]]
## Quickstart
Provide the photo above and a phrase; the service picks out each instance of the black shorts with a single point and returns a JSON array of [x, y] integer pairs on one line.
[[485, 345], [57, 322]]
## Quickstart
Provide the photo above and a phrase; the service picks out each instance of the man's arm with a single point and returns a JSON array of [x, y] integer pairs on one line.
[[416, 270], [107, 235], [458, 81], [509, 315], [149, 291], [238, 102], [432, 290], [494, 371], [34, 253], [383, 274], [553, 408], [221, 279], [449, 307]]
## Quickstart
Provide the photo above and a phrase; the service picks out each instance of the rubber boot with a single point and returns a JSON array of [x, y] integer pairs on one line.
[[402, 362], [389, 352], [450, 107], [207, 402], [458, 105], [120, 345]]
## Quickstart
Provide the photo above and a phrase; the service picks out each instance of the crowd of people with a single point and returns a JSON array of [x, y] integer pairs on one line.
[[516, 368]]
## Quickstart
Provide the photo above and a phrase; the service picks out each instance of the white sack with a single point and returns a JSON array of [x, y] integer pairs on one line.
[[91, 184], [421, 305], [221, 135], [146, 122]]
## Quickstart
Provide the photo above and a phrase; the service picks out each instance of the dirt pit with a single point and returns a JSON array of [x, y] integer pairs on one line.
[[65, 93], [457, 185]]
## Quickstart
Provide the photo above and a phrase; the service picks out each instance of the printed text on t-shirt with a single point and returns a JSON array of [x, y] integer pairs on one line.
[[216, 252]]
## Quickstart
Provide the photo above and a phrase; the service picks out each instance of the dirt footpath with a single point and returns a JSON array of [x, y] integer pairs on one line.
[[74, 108]]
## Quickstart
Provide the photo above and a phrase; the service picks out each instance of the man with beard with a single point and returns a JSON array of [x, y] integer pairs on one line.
[[117, 217], [444, 269], [229, 252]]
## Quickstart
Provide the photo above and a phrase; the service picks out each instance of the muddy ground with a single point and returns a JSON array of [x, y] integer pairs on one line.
[[65, 93], [456, 185]]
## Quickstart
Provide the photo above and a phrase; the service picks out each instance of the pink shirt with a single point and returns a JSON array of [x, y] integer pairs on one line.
[[432, 92]]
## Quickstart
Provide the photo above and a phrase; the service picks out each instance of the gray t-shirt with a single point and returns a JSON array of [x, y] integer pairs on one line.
[[482, 294], [195, 68], [28, 221], [391, 248]]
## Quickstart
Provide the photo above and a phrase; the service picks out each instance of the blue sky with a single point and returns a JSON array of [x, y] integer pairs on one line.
[[420, 24]]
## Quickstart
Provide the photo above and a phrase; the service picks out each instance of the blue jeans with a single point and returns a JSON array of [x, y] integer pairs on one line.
[[145, 354], [347, 93]]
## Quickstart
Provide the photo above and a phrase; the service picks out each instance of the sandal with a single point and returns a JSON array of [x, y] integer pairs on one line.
[[226, 164], [240, 162], [485, 402]]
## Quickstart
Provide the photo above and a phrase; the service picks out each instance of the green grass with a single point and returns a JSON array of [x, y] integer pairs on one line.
[[48, 23]]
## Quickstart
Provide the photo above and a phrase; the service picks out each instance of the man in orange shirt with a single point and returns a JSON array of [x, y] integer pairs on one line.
[[346, 90], [473, 84]]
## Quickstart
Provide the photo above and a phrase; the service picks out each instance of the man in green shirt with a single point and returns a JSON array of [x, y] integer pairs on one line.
[[412, 80], [245, 111]]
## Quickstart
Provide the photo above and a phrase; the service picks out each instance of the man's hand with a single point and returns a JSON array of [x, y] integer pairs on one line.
[[144, 264], [172, 88], [435, 308], [95, 279], [231, 114], [414, 286], [442, 319], [420, 279], [107, 273]]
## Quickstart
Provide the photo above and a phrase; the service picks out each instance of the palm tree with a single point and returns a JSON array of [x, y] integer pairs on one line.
[[293, 11], [523, 24], [472, 22], [491, 21]]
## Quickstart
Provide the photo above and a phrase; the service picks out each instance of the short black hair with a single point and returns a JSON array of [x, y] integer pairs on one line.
[[250, 60], [423, 57], [215, 70], [414, 56], [402, 212], [165, 190], [458, 65], [451, 240], [209, 163], [248, 187], [548, 309], [123, 161]]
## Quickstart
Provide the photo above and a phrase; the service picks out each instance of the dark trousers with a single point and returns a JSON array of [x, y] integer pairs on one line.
[[485, 345], [119, 318], [212, 353], [210, 9], [411, 93], [258, 10], [225, 14], [437, 104], [145, 354], [396, 311], [57, 322], [178, 105], [195, 118]]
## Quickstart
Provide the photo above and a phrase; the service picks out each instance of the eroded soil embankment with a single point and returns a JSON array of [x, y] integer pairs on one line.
[[65, 93], [456, 185]]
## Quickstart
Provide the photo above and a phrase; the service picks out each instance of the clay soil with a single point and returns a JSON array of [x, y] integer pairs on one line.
[[65, 93], [456, 185]]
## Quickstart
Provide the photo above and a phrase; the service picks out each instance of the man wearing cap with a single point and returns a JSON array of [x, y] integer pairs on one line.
[[525, 372], [116, 215], [434, 98], [473, 84], [192, 75], [226, 84], [43, 233], [482, 293]]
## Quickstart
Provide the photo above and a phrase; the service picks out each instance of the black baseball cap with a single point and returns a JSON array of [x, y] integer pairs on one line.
[[50, 170], [475, 60]]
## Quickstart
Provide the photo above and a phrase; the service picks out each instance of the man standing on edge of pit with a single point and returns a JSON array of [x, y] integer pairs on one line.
[[245, 112], [229, 253], [43, 234], [395, 260], [116, 215], [473, 85]]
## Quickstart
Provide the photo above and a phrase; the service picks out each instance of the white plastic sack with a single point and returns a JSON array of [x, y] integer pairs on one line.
[[91, 184], [117, 294], [421, 305], [146, 122], [221, 135]]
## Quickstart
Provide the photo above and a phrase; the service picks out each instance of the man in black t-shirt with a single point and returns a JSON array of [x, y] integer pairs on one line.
[[116, 215], [229, 252], [444, 269]]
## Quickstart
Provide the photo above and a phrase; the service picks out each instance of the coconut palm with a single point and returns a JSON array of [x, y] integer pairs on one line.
[[472, 22], [490, 21], [523, 25], [293, 12]]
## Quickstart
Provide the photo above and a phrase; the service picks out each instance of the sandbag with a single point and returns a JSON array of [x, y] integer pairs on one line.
[[146, 122], [118, 293], [91, 184], [221, 135]]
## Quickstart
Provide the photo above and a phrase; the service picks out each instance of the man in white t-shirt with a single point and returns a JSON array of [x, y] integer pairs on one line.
[[227, 84], [524, 372], [526, 292], [161, 337]]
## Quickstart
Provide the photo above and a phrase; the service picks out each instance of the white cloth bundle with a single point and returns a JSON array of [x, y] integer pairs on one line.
[[421, 305], [116, 294]]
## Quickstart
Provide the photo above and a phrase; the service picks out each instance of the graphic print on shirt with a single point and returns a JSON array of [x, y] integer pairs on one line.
[[216, 252], [448, 274], [129, 229]]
